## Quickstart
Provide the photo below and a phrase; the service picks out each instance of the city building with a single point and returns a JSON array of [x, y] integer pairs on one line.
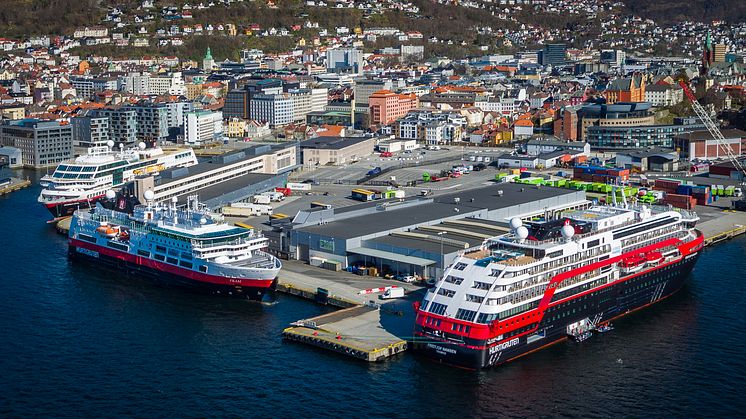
[[202, 127], [701, 145], [631, 89], [42, 143], [537, 146], [122, 124], [719, 51], [335, 150], [363, 88], [612, 137], [344, 60], [387, 107], [89, 131], [152, 121], [553, 54], [616, 115], [655, 160], [208, 63], [664, 94], [224, 179], [276, 109], [613, 57]]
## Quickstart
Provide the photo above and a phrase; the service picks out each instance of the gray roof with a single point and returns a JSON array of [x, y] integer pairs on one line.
[[705, 135], [332, 143], [432, 210]]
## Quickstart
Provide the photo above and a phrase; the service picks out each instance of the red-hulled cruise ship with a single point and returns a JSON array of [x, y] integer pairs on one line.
[[555, 279], [186, 246]]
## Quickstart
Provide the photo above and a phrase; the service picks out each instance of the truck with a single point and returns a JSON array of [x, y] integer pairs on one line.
[[261, 199], [244, 209], [274, 196], [393, 292]]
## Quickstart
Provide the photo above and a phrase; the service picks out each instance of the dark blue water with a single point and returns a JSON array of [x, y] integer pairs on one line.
[[78, 341]]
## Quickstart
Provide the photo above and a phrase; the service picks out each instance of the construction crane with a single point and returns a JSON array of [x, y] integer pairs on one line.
[[717, 135]]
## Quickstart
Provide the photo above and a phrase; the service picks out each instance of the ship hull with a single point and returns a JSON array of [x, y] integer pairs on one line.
[[67, 208], [604, 305], [252, 289]]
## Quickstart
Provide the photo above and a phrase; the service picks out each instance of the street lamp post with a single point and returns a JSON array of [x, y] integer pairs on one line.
[[442, 256]]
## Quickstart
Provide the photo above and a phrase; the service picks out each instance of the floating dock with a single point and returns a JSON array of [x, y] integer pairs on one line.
[[63, 225], [355, 331], [15, 185]]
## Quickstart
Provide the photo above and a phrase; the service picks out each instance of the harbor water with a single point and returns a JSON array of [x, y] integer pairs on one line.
[[76, 340]]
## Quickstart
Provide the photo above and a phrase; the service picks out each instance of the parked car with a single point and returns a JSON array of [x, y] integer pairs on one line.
[[387, 154], [405, 278]]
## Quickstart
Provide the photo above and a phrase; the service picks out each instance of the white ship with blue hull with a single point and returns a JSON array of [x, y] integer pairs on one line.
[[187, 246]]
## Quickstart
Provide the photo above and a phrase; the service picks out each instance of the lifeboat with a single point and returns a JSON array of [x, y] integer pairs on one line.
[[632, 264], [107, 231]]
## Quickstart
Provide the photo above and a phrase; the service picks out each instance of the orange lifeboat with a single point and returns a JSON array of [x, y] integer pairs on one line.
[[107, 231]]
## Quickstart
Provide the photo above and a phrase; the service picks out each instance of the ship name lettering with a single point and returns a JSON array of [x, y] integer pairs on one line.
[[505, 345]]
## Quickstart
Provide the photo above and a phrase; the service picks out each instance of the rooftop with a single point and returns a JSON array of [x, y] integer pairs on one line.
[[429, 210]]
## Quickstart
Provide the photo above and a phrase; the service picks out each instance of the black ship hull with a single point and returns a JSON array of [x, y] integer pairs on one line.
[[602, 306], [67, 208], [169, 279]]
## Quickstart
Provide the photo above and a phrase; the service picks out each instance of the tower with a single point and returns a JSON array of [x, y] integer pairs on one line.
[[708, 55], [208, 63]]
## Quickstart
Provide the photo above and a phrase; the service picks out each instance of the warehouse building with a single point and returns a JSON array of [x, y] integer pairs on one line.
[[417, 235]]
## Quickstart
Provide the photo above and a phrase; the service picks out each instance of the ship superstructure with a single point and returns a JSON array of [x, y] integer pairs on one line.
[[187, 246], [82, 181], [555, 278]]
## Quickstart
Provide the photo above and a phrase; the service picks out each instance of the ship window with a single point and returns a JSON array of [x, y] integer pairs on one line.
[[446, 292], [203, 268], [468, 315], [160, 249], [593, 243], [454, 279], [172, 261], [481, 285], [118, 246], [143, 253], [185, 264], [435, 308], [185, 255], [474, 298], [87, 238], [159, 257], [173, 252]]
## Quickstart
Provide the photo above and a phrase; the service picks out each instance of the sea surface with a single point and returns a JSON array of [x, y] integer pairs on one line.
[[79, 341]]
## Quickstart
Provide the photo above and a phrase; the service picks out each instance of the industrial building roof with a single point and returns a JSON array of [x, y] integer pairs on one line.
[[332, 143], [429, 211]]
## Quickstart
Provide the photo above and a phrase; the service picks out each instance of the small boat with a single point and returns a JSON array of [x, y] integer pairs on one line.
[[605, 328], [580, 337]]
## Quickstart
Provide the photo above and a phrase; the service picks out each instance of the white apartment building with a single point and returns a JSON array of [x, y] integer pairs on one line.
[[664, 95], [202, 127]]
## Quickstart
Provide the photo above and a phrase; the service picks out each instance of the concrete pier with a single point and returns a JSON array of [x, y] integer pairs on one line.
[[356, 332], [15, 185]]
